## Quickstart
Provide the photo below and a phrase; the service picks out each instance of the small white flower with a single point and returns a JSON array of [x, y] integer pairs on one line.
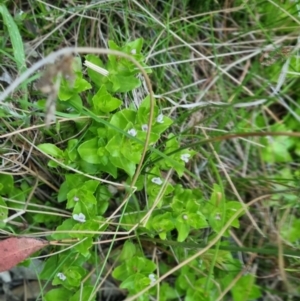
[[185, 157], [61, 276], [152, 278], [79, 217], [133, 51], [218, 217], [157, 181], [76, 199], [145, 127], [160, 118], [132, 132], [185, 217]]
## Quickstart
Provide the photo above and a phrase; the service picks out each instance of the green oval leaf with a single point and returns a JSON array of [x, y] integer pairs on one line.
[[51, 150], [88, 151]]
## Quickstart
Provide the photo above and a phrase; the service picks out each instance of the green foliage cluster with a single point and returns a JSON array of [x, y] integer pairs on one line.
[[112, 144], [112, 153]]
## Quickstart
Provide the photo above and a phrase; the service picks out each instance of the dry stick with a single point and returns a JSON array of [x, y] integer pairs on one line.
[[46, 233], [60, 251], [44, 207], [211, 244], [63, 242], [22, 211], [111, 240], [232, 186], [153, 46], [30, 149]]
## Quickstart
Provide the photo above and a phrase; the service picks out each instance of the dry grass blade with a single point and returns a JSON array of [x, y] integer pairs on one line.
[[50, 81]]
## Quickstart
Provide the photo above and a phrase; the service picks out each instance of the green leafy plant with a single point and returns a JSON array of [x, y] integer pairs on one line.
[[114, 147], [112, 144], [146, 194]]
